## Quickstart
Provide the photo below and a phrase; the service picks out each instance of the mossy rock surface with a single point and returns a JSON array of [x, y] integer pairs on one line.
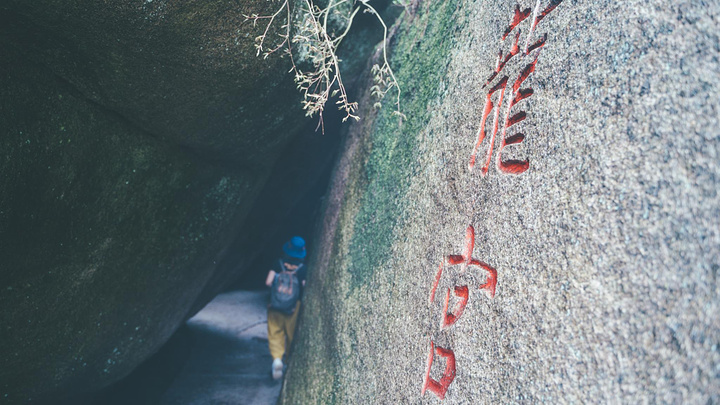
[[606, 249]]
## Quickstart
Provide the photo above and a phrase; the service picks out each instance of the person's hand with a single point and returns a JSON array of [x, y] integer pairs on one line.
[[270, 278]]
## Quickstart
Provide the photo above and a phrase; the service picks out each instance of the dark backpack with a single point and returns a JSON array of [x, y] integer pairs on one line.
[[285, 291]]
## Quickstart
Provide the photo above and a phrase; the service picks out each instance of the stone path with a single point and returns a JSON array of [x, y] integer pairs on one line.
[[230, 361]]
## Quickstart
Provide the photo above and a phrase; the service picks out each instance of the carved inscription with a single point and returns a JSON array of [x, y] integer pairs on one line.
[[453, 316], [466, 261], [498, 86], [439, 388], [501, 112]]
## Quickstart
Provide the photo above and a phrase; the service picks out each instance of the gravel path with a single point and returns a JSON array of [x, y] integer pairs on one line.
[[229, 362]]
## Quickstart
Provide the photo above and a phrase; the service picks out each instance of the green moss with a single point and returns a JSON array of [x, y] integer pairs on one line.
[[379, 176], [420, 58]]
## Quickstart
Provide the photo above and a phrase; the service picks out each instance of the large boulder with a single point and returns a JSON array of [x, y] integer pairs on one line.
[[136, 139], [185, 72], [602, 227]]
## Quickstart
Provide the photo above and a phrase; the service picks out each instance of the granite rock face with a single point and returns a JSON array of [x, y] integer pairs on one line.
[[602, 222], [178, 70], [136, 139]]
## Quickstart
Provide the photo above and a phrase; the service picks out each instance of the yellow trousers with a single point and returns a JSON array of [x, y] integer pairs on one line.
[[281, 327]]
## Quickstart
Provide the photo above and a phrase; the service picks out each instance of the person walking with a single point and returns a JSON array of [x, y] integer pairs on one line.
[[285, 294]]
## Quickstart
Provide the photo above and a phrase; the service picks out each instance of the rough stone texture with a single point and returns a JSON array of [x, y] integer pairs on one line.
[[607, 249], [184, 71], [138, 173], [103, 228], [136, 139]]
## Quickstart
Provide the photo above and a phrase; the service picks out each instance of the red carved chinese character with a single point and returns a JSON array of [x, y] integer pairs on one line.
[[519, 17], [465, 260], [518, 94], [439, 388], [450, 318], [489, 106], [491, 281]]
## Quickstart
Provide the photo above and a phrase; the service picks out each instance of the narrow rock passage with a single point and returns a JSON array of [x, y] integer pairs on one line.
[[230, 361]]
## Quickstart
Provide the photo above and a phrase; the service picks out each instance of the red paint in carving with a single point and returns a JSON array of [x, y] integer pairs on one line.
[[466, 260], [527, 70], [515, 119], [439, 388], [449, 374], [522, 95], [435, 284], [513, 166], [456, 259], [548, 9], [481, 132], [500, 65], [516, 166], [491, 281], [537, 17], [538, 44], [519, 17], [426, 380], [485, 168], [450, 318], [513, 139], [469, 243]]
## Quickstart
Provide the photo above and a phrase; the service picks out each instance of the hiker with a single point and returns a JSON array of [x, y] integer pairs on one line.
[[285, 293]]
